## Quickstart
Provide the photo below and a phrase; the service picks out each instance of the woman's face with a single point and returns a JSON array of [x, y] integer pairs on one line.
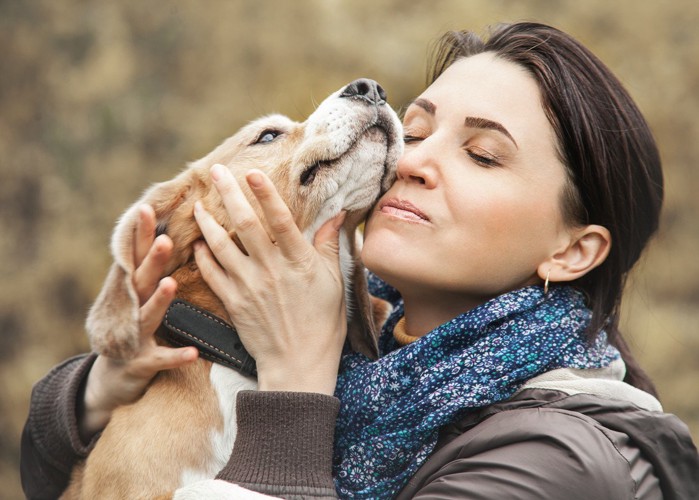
[[476, 204]]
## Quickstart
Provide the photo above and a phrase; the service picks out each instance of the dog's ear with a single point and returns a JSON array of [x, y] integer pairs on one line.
[[369, 313], [380, 311], [113, 321]]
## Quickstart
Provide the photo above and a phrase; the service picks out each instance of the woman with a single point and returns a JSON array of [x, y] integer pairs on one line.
[[529, 186]]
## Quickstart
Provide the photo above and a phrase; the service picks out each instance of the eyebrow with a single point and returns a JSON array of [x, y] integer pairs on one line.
[[484, 123], [469, 121], [424, 104]]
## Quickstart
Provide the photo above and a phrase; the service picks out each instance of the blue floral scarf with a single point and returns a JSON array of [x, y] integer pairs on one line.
[[392, 409]]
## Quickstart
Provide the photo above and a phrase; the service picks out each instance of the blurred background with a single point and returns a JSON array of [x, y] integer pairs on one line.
[[98, 99]]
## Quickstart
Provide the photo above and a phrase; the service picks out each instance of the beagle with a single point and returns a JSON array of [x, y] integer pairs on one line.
[[183, 428]]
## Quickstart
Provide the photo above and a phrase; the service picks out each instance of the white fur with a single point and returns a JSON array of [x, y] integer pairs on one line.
[[226, 383], [215, 489]]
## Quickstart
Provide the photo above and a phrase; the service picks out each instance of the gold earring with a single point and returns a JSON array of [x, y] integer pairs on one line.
[[546, 283]]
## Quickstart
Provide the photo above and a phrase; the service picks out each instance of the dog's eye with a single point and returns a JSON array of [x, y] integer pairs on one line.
[[267, 136]]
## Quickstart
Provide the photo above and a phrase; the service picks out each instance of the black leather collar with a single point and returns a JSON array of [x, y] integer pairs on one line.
[[188, 325]]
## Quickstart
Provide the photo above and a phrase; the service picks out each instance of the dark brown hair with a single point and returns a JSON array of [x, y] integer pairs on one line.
[[614, 171]]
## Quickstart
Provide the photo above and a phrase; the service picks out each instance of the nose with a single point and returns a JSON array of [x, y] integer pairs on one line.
[[365, 89], [418, 165]]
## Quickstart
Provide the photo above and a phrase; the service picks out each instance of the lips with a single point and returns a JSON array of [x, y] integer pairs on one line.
[[402, 209]]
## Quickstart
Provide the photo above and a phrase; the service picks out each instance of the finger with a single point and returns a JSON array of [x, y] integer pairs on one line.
[[218, 240], [153, 311], [327, 238], [211, 271], [164, 358], [244, 220], [284, 230], [154, 266], [145, 233]]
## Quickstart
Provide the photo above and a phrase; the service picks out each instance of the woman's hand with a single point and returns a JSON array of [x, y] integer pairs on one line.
[[115, 382], [284, 295]]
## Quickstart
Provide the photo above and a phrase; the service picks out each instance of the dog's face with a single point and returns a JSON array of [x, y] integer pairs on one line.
[[341, 158]]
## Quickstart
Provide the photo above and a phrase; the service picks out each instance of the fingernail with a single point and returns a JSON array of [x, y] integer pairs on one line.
[[190, 354], [143, 211], [198, 206], [254, 178], [217, 172]]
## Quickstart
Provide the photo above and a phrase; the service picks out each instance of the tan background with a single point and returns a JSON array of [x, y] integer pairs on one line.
[[99, 99]]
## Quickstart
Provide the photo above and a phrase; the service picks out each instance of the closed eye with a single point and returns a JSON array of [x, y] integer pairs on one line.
[[407, 139], [483, 158], [267, 135]]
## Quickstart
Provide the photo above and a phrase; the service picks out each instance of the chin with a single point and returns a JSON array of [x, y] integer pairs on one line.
[[373, 256], [378, 243], [386, 255]]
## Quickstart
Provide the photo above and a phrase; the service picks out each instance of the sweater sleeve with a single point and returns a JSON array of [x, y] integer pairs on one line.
[[284, 444], [51, 445]]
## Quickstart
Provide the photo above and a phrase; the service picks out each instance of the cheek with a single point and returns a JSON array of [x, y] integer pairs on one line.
[[498, 206], [501, 231]]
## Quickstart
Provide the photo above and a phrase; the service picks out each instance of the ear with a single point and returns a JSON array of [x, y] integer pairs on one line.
[[362, 330], [584, 250], [113, 322]]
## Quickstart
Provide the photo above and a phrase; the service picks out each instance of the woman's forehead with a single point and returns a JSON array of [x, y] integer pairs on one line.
[[485, 80], [487, 87]]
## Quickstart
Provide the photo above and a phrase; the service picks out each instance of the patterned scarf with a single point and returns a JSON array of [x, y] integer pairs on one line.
[[392, 409]]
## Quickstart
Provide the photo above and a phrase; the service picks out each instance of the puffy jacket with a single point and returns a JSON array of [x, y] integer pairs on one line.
[[546, 443]]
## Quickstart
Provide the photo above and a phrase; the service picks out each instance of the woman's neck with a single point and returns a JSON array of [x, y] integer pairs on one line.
[[427, 308], [425, 313]]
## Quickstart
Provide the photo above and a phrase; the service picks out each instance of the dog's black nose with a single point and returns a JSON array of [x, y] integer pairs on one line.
[[366, 89]]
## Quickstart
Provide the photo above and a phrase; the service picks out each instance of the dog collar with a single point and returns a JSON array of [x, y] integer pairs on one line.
[[188, 325]]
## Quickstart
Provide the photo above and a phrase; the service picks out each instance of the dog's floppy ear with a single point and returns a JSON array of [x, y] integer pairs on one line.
[[113, 321], [369, 313]]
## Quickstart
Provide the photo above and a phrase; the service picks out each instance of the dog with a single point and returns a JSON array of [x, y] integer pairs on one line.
[[182, 430]]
